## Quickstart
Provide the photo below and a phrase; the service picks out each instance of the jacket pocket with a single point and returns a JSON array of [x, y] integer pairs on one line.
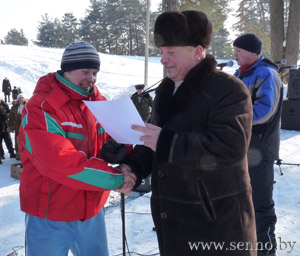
[[206, 202]]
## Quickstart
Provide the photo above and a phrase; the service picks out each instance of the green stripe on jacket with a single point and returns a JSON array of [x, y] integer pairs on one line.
[[100, 130], [53, 126], [75, 135], [99, 178]]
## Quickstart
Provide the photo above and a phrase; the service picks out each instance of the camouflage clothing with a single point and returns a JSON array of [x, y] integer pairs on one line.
[[143, 104]]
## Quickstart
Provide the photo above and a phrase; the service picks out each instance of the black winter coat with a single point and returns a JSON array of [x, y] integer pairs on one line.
[[6, 87], [4, 112], [200, 184]]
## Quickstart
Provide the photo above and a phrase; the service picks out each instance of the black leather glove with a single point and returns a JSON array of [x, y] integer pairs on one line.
[[113, 152]]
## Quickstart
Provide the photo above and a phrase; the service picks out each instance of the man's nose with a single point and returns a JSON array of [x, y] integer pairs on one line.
[[90, 77], [164, 59]]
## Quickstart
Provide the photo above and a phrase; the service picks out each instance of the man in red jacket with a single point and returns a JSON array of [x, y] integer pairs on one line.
[[65, 182]]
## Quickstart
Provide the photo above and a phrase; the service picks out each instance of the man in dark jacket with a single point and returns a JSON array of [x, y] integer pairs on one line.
[[4, 134], [195, 147], [265, 86], [6, 89], [142, 101]]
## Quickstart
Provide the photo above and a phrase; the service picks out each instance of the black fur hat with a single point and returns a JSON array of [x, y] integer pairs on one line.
[[139, 86], [187, 28]]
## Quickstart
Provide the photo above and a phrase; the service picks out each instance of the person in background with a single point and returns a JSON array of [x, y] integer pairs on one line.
[[143, 102], [14, 119], [264, 84], [65, 182], [15, 92], [6, 89], [195, 146], [4, 133]]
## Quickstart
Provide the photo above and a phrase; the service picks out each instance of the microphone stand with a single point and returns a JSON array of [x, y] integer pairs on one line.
[[123, 223]]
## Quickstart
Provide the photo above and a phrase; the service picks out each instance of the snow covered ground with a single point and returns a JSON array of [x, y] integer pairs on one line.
[[24, 65]]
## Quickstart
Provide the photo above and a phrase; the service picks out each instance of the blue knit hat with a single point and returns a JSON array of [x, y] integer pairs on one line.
[[249, 42], [79, 55]]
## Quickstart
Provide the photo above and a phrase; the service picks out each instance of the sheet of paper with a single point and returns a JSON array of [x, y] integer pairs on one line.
[[117, 117]]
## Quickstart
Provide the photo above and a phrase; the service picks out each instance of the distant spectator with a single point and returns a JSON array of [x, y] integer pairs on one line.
[[14, 120], [15, 92], [4, 134], [20, 90], [6, 89], [143, 102]]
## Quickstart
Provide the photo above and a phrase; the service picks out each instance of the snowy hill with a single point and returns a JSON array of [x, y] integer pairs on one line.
[[24, 65]]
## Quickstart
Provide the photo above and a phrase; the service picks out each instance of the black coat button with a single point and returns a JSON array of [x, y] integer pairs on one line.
[[163, 215], [160, 174]]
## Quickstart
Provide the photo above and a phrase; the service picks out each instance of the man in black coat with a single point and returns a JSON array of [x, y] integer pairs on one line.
[[6, 89], [4, 134], [195, 147]]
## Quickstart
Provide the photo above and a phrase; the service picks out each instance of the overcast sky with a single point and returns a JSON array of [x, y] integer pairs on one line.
[[26, 14]]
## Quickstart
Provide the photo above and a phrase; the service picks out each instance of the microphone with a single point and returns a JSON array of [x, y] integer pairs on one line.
[[280, 62], [228, 64], [293, 66]]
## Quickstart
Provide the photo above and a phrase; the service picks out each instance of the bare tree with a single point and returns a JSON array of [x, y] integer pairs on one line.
[[292, 34], [281, 46], [277, 29]]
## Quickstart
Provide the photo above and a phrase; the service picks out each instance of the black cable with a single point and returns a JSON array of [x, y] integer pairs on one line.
[[147, 90]]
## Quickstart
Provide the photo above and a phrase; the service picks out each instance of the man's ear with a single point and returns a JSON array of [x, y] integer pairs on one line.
[[199, 53]]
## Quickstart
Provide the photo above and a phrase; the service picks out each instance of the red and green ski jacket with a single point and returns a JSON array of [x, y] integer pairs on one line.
[[64, 177]]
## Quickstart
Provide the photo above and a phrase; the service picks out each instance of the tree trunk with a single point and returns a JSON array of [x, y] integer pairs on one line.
[[170, 5], [293, 31], [277, 30]]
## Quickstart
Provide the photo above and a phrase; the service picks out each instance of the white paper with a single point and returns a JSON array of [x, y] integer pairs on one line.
[[117, 117]]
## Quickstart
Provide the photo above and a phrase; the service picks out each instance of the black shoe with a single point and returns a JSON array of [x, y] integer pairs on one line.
[[2, 157], [12, 155]]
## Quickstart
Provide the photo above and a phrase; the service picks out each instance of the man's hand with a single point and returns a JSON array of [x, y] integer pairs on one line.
[[129, 179], [151, 132]]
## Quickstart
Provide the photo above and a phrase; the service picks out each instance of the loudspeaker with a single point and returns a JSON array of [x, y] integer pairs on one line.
[[290, 116], [294, 84], [145, 186]]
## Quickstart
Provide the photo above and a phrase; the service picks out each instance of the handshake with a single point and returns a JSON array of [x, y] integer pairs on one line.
[[113, 152], [129, 179]]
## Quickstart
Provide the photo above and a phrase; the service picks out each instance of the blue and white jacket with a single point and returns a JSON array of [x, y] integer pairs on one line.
[[266, 90]]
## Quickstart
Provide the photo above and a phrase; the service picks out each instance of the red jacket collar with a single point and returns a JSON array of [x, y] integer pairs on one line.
[[243, 69]]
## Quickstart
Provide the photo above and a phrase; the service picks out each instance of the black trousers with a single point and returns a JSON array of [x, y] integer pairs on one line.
[[8, 142], [7, 97], [262, 180]]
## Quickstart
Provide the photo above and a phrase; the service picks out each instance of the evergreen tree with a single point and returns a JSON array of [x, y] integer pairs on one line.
[[254, 17], [93, 28], [16, 38], [134, 21], [116, 26], [216, 11], [49, 33], [70, 29]]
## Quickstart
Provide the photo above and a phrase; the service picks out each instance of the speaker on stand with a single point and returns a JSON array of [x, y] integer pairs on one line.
[[290, 116]]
